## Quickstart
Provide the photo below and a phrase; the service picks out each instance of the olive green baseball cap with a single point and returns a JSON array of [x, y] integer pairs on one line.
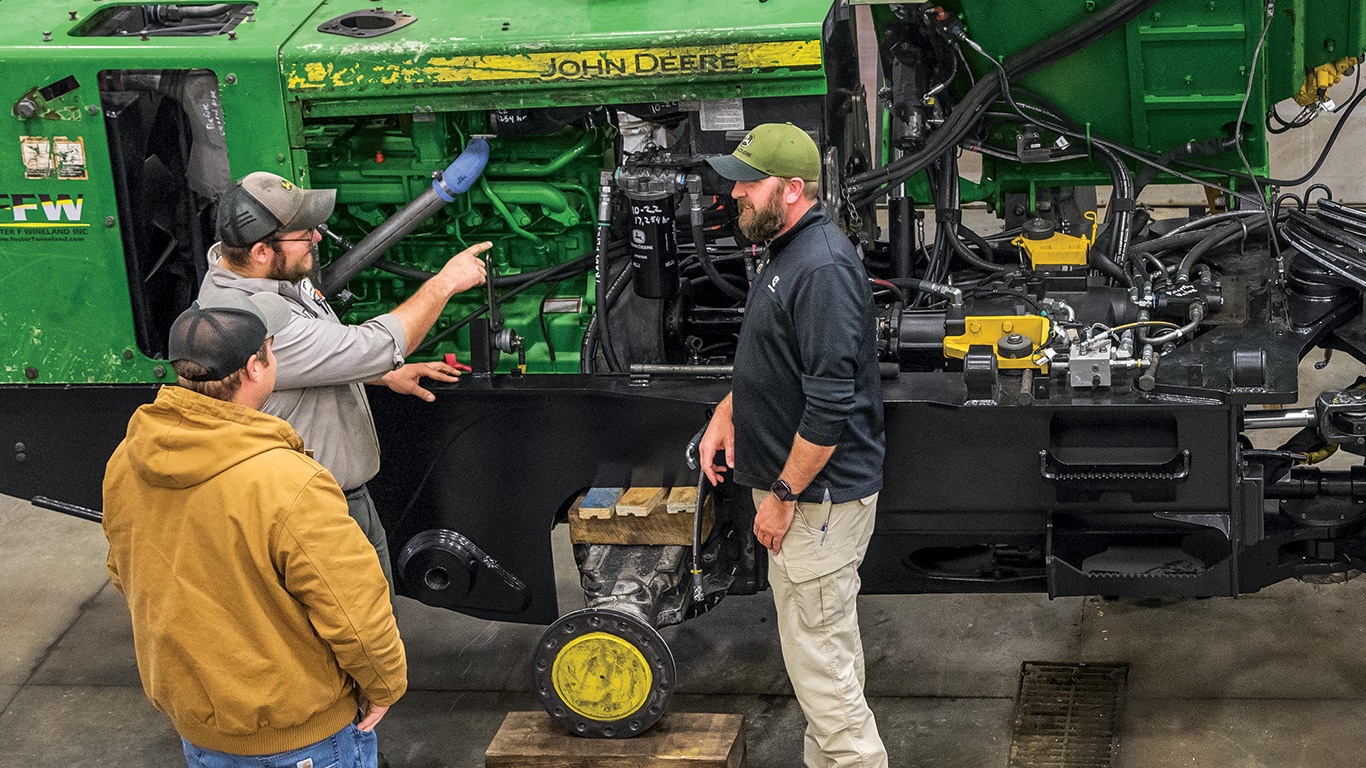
[[771, 149]]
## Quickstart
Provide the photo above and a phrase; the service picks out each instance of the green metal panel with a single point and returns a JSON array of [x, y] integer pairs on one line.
[[65, 314], [1306, 34], [1176, 73], [515, 54]]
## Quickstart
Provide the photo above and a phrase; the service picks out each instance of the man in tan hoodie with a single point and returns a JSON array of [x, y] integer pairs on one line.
[[261, 619]]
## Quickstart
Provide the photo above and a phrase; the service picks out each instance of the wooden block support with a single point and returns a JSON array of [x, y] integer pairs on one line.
[[662, 529], [678, 740], [641, 502], [682, 499], [600, 502]]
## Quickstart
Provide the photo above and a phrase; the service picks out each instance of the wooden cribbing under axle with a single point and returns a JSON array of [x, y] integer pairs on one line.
[[679, 740], [658, 527]]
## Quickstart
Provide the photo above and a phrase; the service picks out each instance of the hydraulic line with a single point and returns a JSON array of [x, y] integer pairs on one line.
[[699, 239], [1221, 236], [1189, 233], [601, 301], [588, 351], [1207, 148], [864, 187], [554, 273], [502, 281]]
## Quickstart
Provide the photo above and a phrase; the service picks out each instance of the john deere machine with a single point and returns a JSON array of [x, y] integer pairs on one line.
[[1069, 397]]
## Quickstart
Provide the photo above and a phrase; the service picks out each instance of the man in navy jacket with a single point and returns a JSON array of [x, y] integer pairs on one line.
[[802, 428]]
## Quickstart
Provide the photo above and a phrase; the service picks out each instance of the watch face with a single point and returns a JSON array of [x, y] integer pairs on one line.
[[782, 490]]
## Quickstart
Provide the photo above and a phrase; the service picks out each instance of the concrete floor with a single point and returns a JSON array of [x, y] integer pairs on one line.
[[1271, 679]]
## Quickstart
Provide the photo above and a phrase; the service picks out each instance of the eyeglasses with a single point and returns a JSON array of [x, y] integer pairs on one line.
[[312, 233]]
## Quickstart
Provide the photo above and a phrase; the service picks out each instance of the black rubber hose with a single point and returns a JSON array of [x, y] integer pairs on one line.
[[588, 351], [564, 270], [1190, 149], [501, 281], [982, 245], [203, 11], [1225, 234], [601, 302], [864, 187], [1191, 236], [1121, 203], [965, 253], [699, 239]]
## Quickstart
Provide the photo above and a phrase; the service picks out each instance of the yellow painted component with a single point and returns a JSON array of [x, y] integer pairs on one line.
[[1060, 250], [988, 330], [602, 677], [1320, 453], [1321, 78], [563, 66]]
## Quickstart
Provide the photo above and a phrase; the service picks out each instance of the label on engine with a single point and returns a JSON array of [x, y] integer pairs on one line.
[[563, 66], [722, 115]]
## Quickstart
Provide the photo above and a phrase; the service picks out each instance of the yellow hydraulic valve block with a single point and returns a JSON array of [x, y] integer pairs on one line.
[[1016, 339], [1058, 249], [1319, 79]]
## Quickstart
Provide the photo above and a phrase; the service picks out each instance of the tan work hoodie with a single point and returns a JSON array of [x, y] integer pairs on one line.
[[259, 608]]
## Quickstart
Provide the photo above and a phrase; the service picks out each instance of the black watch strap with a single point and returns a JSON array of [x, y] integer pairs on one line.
[[782, 490]]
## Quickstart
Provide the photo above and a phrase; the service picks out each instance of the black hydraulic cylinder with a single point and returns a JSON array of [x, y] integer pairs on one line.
[[901, 221], [1312, 482]]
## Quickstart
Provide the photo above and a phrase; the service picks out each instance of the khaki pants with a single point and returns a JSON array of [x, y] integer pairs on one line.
[[362, 510], [815, 582]]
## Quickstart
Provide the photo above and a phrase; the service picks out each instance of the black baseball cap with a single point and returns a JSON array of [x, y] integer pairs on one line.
[[263, 203], [222, 337]]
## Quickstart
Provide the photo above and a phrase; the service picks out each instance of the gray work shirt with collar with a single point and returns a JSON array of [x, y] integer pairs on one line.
[[322, 367]]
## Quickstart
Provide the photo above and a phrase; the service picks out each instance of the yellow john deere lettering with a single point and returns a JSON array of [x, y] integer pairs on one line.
[[562, 66]]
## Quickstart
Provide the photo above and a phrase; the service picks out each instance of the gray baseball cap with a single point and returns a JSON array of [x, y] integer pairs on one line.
[[263, 203], [220, 338]]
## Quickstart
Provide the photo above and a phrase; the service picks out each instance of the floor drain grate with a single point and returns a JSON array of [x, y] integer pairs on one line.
[[1066, 715]]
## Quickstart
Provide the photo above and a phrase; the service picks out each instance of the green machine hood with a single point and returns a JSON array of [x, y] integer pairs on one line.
[[528, 53]]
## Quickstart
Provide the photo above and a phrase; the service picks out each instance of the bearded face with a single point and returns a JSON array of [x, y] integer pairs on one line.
[[292, 261], [762, 215]]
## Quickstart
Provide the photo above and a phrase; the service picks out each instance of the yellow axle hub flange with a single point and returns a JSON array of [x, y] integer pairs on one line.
[[601, 676]]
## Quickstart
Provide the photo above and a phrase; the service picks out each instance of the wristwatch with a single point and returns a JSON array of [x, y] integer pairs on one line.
[[782, 490]]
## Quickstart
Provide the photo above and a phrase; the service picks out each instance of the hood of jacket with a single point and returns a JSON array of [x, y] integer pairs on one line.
[[184, 438]]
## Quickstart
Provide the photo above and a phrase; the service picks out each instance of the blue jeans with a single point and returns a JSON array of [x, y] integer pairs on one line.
[[348, 748]]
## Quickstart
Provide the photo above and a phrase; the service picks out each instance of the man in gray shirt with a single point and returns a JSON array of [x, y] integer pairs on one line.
[[267, 230]]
